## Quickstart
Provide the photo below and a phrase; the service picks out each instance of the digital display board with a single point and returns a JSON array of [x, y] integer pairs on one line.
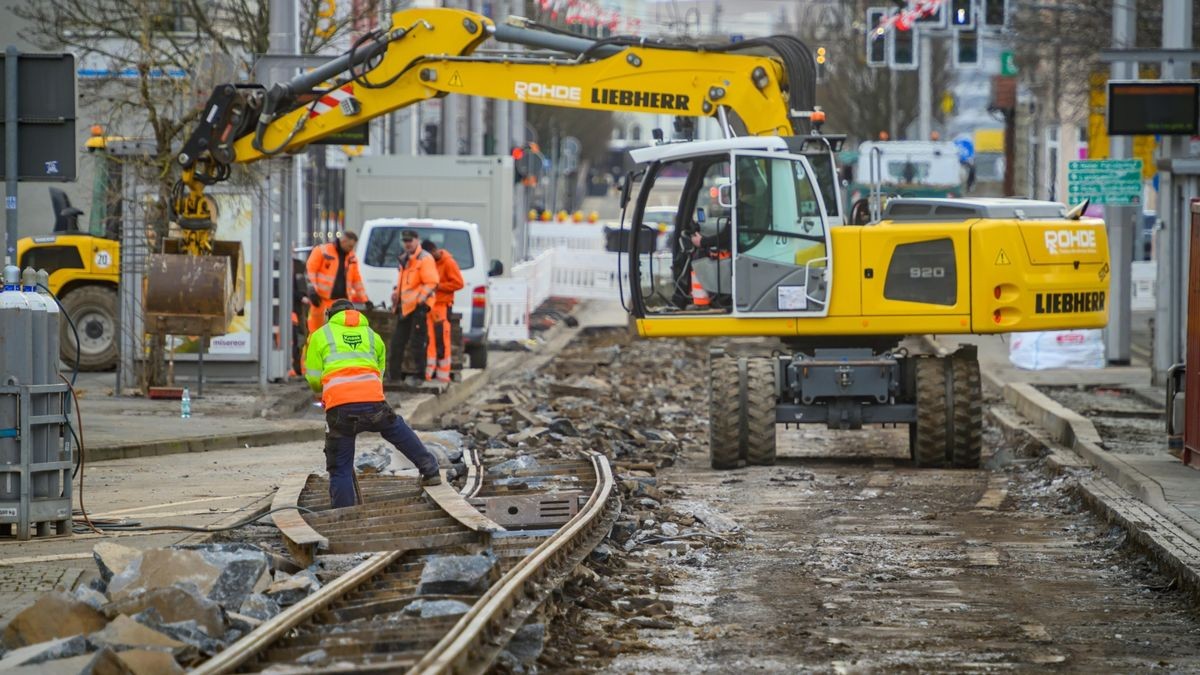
[[1165, 108]]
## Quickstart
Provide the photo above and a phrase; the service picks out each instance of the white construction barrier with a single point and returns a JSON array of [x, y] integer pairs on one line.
[[557, 272], [546, 236], [509, 299], [1143, 277]]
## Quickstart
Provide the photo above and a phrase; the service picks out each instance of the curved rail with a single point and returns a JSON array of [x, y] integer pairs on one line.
[[382, 584], [471, 645]]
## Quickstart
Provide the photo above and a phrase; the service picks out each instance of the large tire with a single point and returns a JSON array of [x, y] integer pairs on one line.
[[968, 412], [723, 412], [759, 412], [94, 311], [929, 440]]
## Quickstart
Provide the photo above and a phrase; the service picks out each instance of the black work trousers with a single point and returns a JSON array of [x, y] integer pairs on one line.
[[410, 335]]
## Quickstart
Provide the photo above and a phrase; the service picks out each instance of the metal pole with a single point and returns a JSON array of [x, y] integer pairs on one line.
[[476, 108], [500, 117], [1120, 219], [10, 155], [554, 167], [1170, 341], [925, 88], [893, 104]]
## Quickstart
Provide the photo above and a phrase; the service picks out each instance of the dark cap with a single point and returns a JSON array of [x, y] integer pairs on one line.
[[339, 305], [429, 246], [409, 234]]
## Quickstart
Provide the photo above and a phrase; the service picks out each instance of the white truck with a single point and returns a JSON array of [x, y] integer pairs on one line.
[[462, 203]]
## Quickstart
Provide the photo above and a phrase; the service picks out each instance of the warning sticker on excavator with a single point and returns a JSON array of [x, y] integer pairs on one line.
[[456, 80], [1002, 258]]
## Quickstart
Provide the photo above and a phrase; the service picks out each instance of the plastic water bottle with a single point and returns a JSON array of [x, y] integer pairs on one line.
[[185, 404]]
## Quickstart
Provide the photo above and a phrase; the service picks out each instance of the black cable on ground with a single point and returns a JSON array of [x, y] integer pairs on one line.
[[138, 527]]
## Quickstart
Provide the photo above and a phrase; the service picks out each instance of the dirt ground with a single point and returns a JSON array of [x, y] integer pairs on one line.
[[850, 560]]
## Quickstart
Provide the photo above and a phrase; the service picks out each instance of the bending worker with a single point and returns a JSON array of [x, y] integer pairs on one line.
[[450, 280], [333, 274], [345, 363], [412, 300]]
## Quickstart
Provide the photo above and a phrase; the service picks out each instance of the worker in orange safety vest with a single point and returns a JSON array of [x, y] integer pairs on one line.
[[333, 274], [450, 281], [412, 299]]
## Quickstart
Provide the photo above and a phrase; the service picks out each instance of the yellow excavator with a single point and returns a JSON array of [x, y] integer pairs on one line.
[[759, 245]]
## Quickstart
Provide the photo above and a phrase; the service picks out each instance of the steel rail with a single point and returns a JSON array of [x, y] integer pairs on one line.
[[264, 635], [477, 637], [479, 630]]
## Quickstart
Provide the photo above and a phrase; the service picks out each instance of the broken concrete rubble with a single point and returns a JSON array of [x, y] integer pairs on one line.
[[111, 559], [53, 615], [59, 648], [149, 662], [522, 651], [125, 633], [428, 609], [187, 632], [158, 568], [90, 597], [512, 466], [172, 604], [290, 590], [456, 575], [260, 607], [103, 662], [244, 570]]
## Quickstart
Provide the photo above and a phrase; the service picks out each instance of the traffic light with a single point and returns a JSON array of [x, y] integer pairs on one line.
[[822, 55], [995, 13], [876, 42], [902, 50], [966, 49], [527, 163], [962, 14]]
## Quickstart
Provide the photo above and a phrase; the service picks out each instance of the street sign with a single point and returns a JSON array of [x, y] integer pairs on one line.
[[966, 149], [1008, 64], [1105, 181], [45, 92]]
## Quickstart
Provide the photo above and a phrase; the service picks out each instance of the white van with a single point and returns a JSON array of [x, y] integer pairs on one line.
[[378, 252]]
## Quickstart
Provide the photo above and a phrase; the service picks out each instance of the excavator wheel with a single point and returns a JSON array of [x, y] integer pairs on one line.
[[723, 411], [968, 412], [930, 435], [759, 410], [93, 308]]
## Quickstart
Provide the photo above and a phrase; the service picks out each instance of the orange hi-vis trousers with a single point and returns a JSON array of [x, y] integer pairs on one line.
[[316, 315], [437, 354]]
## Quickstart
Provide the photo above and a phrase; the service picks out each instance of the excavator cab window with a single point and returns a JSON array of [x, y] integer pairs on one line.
[[783, 256], [680, 274]]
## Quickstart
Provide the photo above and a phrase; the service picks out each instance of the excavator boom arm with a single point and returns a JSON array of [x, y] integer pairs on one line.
[[429, 53]]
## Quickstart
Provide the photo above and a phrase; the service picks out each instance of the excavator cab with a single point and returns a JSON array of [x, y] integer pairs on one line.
[[751, 235]]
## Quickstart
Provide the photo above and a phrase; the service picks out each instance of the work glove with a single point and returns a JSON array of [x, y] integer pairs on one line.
[[314, 297]]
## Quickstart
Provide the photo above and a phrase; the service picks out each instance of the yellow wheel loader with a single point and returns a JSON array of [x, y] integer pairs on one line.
[[759, 245]]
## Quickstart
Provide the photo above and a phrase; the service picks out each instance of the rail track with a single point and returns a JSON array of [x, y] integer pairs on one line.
[[546, 520]]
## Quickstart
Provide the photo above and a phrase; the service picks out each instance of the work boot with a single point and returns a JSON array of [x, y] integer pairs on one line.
[[431, 479]]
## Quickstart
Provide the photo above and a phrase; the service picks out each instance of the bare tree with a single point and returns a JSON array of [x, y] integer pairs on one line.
[[1058, 43], [159, 61], [856, 97]]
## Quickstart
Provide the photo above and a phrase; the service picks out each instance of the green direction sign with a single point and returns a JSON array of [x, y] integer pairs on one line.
[[1008, 64], [1105, 181]]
